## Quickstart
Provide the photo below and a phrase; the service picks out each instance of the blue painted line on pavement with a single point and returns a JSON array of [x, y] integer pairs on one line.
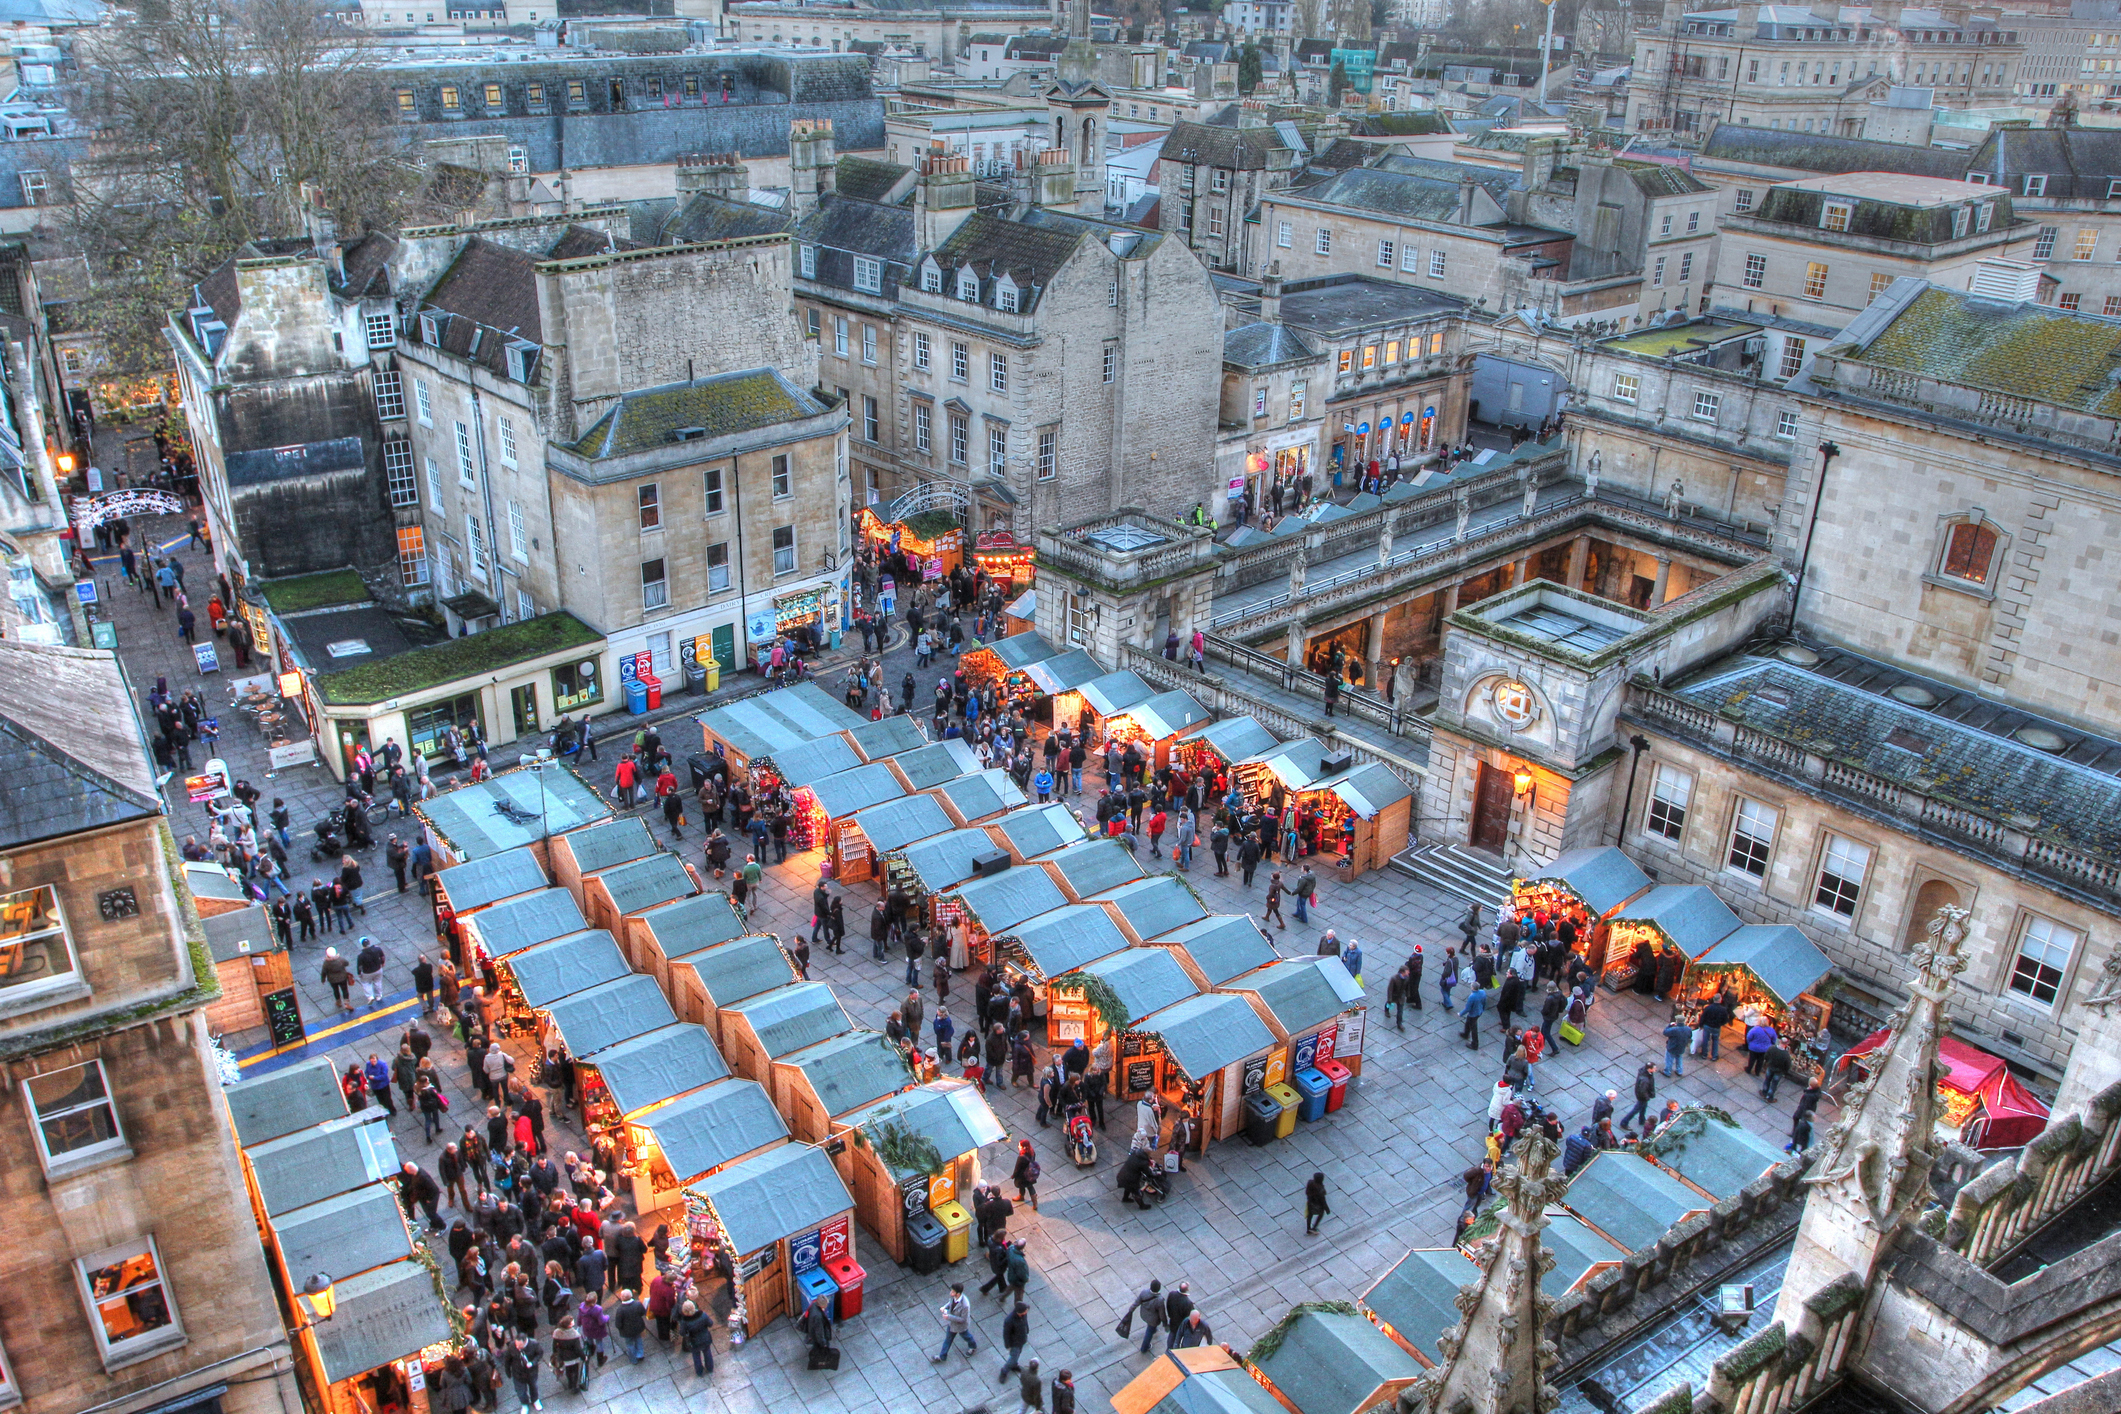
[[389, 1015]]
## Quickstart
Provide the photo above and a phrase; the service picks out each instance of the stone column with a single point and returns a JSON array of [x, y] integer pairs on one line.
[[1579, 557], [1519, 571], [1378, 662], [1664, 575], [1450, 597]]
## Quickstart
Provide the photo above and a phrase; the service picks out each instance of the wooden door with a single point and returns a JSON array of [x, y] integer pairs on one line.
[[1491, 808]]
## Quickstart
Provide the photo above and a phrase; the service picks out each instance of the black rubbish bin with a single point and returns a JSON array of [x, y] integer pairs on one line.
[[1262, 1117], [702, 764], [925, 1236], [695, 677]]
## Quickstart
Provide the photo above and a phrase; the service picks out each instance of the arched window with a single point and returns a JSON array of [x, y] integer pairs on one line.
[[1969, 552]]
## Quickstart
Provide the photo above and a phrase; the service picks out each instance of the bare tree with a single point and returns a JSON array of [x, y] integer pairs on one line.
[[212, 119], [1309, 16]]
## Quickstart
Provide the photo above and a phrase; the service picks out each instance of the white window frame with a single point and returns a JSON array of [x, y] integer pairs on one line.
[[2035, 185], [923, 426], [402, 477], [2045, 935], [381, 330], [87, 1156], [1627, 387], [809, 262], [960, 439], [1386, 255], [412, 560], [960, 363], [920, 350], [71, 980], [1047, 461], [1324, 243], [1755, 271], [1111, 362], [423, 402], [718, 574], [434, 485], [790, 564], [1664, 813], [467, 474], [1437, 259], [1707, 406], [1786, 425], [1745, 843], [506, 429], [518, 534], [390, 394], [868, 343], [139, 1347], [839, 335], [713, 494], [1829, 858], [475, 544], [1285, 234], [997, 448], [998, 372]]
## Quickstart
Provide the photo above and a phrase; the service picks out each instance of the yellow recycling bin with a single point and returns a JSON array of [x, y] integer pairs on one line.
[[957, 1223], [1285, 1095]]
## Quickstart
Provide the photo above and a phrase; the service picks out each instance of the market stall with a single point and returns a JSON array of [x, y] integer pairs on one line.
[[516, 808], [1981, 1104], [633, 1077], [750, 731], [757, 1029], [1205, 1377], [699, 1133], [1058, 941], [822, 810], [1051, 690], [252, 967], [835, 1075], [1113, 993], [1312, 1006], [1108, 695], [940, 862], [926, 767], [494, 933], [536, 977], [915, 1155], [994, 906], [1329, 1362], [1769, 971], [1156, 724], [981, 796], [282, 1101], [368, 1356], [604, 846], [767, 1221], [1362, 818], [932, 540], [310, 1165], [1587, 885], [676, 929], [1213, 751], [1630, 1201], [1150, 907], [1011, 565], [1205, 1053], [1713, 1152], [887, 736], [1415, 1301], [1580, 1251], [884, 829], [481, 883], [704, 983], [612, 897], [1686, 918], [587, 1021], [1002, 663], [1221, 947], [1038, 830], [814, 760], [1091, 867], [1020, 615]]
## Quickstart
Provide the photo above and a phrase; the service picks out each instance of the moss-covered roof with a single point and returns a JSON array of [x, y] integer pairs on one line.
[[719, 407], [314, 591], [2028, 350], [1680, 338], [458, 659]]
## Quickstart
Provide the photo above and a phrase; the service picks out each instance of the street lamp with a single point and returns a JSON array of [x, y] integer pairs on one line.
[[317, 1297], [536, 764], [1524, 781]]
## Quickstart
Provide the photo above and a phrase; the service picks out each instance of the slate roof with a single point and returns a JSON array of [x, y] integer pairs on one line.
[[866, 179], [367, 263], [1663, 179], [710, 1126], [578, 240], [1239, 149], [280, 1102], [1496, 181], [72, 751], [1819, 152], [486, 285], [1337, 303], [564, 966], [611, 843], [994, 245], [1260, 345], [1418, 124], [775, 1195], [2077, 162], [1882, 215], [852, 1070], [2033, 351], [862, 227], [723, 405], [659, 1064], [705, 217]]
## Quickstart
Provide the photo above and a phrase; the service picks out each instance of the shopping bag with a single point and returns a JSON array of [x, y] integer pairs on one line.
[[824, 1357], [1570, 1032]]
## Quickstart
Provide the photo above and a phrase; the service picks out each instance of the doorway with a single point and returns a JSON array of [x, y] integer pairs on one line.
[[1491, 808]]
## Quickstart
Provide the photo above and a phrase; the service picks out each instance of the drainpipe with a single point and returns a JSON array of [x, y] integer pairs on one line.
[[1827, 452], [1627, 801]]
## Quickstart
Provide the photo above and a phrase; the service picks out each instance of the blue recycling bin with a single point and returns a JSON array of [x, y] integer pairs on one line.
[[637, 697], [1311, 1083], [817, 1282]]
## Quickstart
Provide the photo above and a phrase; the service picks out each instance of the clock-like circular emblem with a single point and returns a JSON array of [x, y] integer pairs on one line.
[[1514, 704]]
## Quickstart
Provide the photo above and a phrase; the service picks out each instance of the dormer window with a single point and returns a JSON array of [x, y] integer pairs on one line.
[[1005, 295], [968, 287], [931, 276], [449, 97], [522, 359], [809, 258], [430, 331], [1835, 216]]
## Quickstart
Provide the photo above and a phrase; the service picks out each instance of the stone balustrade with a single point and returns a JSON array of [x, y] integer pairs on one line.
[[2000, 1207]]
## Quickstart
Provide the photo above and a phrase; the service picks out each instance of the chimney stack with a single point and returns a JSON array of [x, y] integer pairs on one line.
[[1052, 179], [812, 164], [720, 174], [1270, 294], [943, 198]]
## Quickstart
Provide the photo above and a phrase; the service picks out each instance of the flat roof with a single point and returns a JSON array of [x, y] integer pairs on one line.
[[1898, 188]]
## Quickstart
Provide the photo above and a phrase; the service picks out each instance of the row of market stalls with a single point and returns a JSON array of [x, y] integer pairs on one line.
[[370, 1321]]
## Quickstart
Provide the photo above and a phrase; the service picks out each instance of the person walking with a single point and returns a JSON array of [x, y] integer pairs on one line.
[[1396, 997], [1031, 1389], [1064, 1386], [957, 1324], [1025, 1175], [1016, 1333], [1447, 978], [1306, 888], [1149, 1307], [1273, 908], [1677, 1037], [369, 963], [1645, 1091], [1016, 1269], [521, 1361], [1248, 852], [338, 976], [1476, 1003], [1776, 1066], [1315, 1206]]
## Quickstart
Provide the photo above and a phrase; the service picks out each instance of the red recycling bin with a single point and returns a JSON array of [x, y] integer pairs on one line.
[[848, 1275], [654, 685], [1338, 1074]]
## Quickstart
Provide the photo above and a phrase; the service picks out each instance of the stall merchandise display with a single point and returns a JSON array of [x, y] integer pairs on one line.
[[709, 1258]]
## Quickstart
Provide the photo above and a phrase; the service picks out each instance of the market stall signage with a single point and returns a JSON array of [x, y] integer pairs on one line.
[[283, 1016], [1277, 1068], [1255, 1075], [805, 1251], [208, 661], [1141, 1075], [1324, 1052], [1306, 1051], [1349, 1042], [1069, 1017], [1515, 706], [832, 1239], [941, 1189], [208, 783], [914, 1194]]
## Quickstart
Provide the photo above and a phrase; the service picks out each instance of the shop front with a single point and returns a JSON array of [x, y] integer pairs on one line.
[[386, 1340], [625, 1081], [1359, 820], [1282, 460], [1587, 886], [1211, 1050], [1052, 944], [910, 1161], [1055, 690], [1003, 665], [1315, 1010], [1769, 971], [1213, 751], [1011, 566], [762, 1228], [1155, 725], [676, 1144], [1106, 697], [537, 977], [1656, 938], [931, 542], [823, 810]]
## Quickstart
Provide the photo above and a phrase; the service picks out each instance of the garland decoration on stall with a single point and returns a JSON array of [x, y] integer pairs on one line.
[[1099, 993], [1266, 1345], [901, 1149]]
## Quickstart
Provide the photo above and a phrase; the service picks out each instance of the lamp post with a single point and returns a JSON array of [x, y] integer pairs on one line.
[[318, 1298], [1546, 54], [1827, 452], [536, 764]]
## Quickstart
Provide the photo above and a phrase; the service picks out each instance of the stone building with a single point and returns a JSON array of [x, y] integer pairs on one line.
[[132, 1263], [941, 32], [1212, 175]]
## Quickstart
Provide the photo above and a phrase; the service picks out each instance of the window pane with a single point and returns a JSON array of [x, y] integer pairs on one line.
[[33, 945], [1752, 838], [128, 1296], [1841, 874], [73, 1110], [1669, 793], [1967, 556], [2043, 957]]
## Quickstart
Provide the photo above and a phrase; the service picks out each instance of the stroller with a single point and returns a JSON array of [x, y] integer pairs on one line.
[[1082, 1143]]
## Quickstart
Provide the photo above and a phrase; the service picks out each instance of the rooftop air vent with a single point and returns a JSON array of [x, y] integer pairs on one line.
[[1797, 654], [1913, 694], [688, 434], [2005, 281], [2041, 739]]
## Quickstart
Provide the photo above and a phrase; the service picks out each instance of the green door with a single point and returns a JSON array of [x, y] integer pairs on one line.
[[725, 647]]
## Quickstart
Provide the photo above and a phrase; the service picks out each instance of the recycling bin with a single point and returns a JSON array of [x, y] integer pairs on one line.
[[816, 1282], [957, 1225], [655, 690], [714, 674], [636, 696], [1285, 1095], [1338, 1076], [925, 1240], [695, 677], [847, 1275], [1262, 1118], [1312, 1084]]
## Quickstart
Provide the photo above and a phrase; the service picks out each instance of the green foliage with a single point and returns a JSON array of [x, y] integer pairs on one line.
[[1099, 993], [1336, 84], [1249, 68], [458, 659], [1266, 1345], [314, 591], [902, 1150]]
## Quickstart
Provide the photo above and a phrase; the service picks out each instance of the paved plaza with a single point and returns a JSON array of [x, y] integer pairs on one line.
[[1233, 1225]]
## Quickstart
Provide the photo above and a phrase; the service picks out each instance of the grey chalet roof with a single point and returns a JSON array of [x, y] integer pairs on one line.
[[1601, 876], [1259, 345], [898, 823], [564, 966], [983, 793], [1205, 1033], [239, 933], [887, 736], [1787, 963], [814, 761], [1218, 1392], [1041, 830], [475, 821], [1223, 946], [851, 792], [792, 1017], [1690, 916], [777, 720], [614, 842], [1001, 901], [942, 860], [777, 1194], [1167, 714], [852, 1070], [712, 1125], [71, 746], [694, 923], [1329, 1363], [1415, 1298], [1713, 1154], [525, 922], [603, 1016], [1370, 789], [283, 1101], [344, 1234], [1826, 155], [1146, 979], [1154, 905], [657, 1065], [1113, 693], [1302, 992], [382, 1315], [1068, 672], [1020, 650], [1237, 738], [660, 878], [743, 967], [1334, 304], [937, 762], [1094, 866], [1576, 1248], [937, 1115], [1629, 1199], [479, 882], [720, 405], [312, 1164], [1068, 937]]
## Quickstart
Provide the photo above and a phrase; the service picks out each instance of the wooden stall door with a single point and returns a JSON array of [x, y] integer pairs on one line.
[[1491, 808]]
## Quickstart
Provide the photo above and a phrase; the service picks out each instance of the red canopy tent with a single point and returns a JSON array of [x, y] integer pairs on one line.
[[1983, 1101]]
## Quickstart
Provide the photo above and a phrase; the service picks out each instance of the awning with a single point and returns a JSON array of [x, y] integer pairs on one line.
[[1369, 790], [1629, 1199], [564, 966], [1417, 1297], [792, 1017], [1114, 693], [1155, 905], [610, 844], [1205, 1033], [1299, 765], [346, 1234], [2009, 1114], [694, 923], [525, 922], [1715, 1155], [282, 1101], [946, 859], [1068, 937], [853, 791], [743, 967], [1041, 829], [312, 1164], [1093, 866], [779, 720], [1237, 738], [956, 1119], [1021, 650], [847, 1072], [1783, 960], [936, 763], [1223, 946], [659, 1065], [381, 1316], [1689, 916], [504, 813], [1603, 877], [1025, 606], [1065, 673], [898, 823], [479, 882], [1001, 901], [714, 1125], [887, 736], [982, 795], [1166, 714], [1145, 980], [780, 1193], [604, 1016], [1302, 992], [813, 761]]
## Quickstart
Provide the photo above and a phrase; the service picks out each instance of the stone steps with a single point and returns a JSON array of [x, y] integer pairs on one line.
[[1473, 875]]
